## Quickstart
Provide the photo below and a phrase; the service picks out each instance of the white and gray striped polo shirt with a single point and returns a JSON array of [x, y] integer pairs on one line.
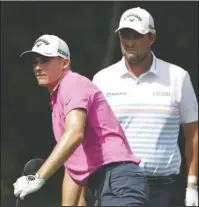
[[150, 109]]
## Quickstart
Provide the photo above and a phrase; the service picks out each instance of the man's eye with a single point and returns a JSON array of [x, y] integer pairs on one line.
[[45, 59], [137, 35], [41, 60], [129, 34]]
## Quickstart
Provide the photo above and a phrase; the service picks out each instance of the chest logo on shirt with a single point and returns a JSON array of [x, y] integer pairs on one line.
[[160, 93], [109, 94]]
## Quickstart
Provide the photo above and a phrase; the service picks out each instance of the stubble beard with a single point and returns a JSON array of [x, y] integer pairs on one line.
[[135, 59]]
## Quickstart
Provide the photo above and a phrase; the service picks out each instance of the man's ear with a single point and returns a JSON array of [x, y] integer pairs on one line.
[[66, 63], [152, 37]]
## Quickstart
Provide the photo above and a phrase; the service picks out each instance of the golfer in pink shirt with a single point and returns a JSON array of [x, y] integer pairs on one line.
[[90, 141]]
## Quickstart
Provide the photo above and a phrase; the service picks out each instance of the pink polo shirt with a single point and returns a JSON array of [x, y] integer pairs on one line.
[[104, 140]]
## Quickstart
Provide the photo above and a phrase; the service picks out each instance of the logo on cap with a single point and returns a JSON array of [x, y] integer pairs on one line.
[[132, 17], [151, 27], [41, 41], [62, 52]]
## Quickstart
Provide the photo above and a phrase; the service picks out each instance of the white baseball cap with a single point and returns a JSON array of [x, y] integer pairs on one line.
[[137, 19], [50, 46]]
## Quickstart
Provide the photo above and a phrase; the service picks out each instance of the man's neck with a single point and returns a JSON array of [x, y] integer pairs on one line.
[[139, 69], [54, 86]]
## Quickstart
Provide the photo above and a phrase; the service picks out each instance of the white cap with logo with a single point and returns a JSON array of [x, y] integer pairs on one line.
[[137, 19], [50, 46]]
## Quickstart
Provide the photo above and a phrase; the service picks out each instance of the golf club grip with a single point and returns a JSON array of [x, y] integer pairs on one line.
[[17, 202], [32, 166]]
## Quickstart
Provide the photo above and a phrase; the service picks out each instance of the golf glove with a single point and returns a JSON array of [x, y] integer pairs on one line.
[[191, 198], [26, 185]]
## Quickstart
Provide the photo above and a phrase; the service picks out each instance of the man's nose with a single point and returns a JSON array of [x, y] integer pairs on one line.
[[37, 67], [131, 43]]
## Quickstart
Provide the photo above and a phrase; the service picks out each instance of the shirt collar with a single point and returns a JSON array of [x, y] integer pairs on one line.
[[124, 71], [59, 81], [53, 94]]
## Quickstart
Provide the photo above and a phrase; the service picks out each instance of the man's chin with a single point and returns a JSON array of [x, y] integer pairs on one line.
[[131, 58], [42, 84]]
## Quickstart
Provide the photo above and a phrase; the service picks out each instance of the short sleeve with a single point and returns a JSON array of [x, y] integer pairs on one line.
[[188, 103], [80, 99], [79, 94]]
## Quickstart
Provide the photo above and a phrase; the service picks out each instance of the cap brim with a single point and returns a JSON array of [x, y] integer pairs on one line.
[[29, 53], [28, 56], [132, 27]]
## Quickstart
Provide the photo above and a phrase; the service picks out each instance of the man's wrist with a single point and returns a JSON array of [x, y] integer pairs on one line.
[[39, 177], [192, 181]]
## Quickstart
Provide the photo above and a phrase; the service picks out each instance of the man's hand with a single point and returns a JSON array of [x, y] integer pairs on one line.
[[191, 198], [26, 185]]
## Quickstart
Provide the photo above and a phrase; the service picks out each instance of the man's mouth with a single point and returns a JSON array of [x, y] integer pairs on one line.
[[130, 50]]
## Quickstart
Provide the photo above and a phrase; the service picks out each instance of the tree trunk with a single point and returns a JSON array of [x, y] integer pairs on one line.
[[112, 36]]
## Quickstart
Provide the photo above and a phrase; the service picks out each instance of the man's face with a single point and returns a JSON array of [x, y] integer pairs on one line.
[[135, 46], [48, 70]]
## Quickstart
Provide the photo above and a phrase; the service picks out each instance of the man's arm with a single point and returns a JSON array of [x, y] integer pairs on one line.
[[191, 149], [189, 119], [72, 138]]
